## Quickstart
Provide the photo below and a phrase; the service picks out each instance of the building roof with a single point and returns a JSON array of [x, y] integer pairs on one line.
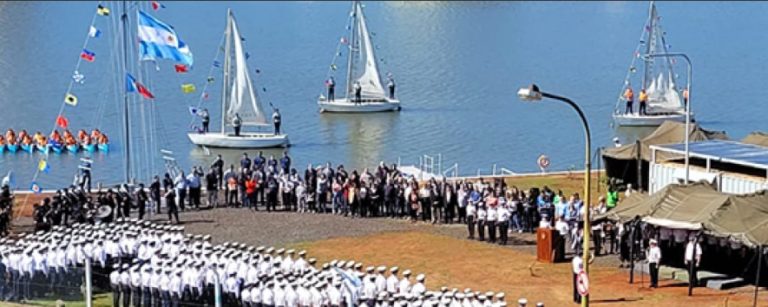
[[723, 151]]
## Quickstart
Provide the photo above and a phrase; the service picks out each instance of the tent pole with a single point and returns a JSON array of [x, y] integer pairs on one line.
[[757, 278]]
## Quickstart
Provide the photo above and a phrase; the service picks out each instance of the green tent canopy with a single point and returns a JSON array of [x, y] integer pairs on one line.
[[699, 206]]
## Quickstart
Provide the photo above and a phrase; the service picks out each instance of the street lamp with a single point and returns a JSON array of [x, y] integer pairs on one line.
[[687, 104], [533, 94]]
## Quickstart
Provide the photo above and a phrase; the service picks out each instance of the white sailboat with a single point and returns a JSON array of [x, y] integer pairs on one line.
[[238, 98], [665, 100], [362, 69]]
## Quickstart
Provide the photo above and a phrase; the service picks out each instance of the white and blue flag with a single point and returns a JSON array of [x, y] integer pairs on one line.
[[158, 40]]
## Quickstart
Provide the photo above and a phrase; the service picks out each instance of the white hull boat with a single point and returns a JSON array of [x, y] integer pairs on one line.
[[346, 106], [245, 140], [362, 73], [651, 120], [655, 76], [239, 101]]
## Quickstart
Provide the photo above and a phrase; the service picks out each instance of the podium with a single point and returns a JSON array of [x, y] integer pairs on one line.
[[550, 246]]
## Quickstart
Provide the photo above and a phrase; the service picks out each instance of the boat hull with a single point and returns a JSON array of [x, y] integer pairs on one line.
[[104, 147], [12, 148], [245, 140], [634, 120], [73, 148], [28, 148], [43, 148], [89, 147], [2, 148], [57, 148], [345, 106]]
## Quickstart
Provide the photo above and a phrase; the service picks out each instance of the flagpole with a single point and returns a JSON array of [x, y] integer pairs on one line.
[[126, 118]]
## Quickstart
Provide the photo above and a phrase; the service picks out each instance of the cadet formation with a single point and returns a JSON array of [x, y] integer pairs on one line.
[[149, 264]]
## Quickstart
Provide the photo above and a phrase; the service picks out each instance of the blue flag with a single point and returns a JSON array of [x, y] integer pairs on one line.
[[158, 40]]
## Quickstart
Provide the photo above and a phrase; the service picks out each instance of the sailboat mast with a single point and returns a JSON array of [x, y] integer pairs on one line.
[[649, 43], [352, 41], [225, 81], [126, 117]]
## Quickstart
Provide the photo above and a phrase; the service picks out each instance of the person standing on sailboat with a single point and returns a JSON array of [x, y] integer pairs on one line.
[[276, 120], [331, 84], [358, 92], [237, 123], [643, 98], [391, 86], [629, 96], [206, 118]]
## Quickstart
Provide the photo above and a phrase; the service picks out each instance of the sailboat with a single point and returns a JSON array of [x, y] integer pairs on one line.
[[665, 100], [362, 71], [238, 98]]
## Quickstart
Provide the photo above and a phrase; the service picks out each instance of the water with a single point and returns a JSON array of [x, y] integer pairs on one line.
[[458, 66]]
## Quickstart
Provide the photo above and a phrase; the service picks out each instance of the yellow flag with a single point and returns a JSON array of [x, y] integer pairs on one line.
[[70, 99], [188, 88], [101, 10]]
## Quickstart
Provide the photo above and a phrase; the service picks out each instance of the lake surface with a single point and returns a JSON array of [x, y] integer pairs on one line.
[[458, 66]]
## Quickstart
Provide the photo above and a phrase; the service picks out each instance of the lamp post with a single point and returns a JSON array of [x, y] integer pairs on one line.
[[533, 93], [687, 104]]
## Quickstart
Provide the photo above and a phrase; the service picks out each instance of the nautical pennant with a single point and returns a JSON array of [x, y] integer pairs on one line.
[[70, 99], [101, 10], [88, 55], [131, 85], [62, 122], [181, 68], [157, 5], [93, 32]]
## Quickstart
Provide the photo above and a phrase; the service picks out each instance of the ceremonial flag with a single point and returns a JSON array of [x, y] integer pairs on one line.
[[159, 40], [43, 166], [88, 55], [131, 85], [78, 77], [101, 10], [333, 66], [181, 68], [93, 32], [70, 99], [188, 88], [62, 122], [36, 188], [205, 95], [157, 5], [216, 64], [247, 55], [211, 79], [344, 40], [192, 110], [258, 71]]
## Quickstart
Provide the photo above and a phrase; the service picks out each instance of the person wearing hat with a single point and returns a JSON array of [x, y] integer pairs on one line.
[[653, 255], [114, 281], [419, 288], [522, 302], [392, 281], [692, 258], [404, 286], [379, 280], [125, 284]]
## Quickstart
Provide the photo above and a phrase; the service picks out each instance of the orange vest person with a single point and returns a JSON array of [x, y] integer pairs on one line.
[[643, 103], [629, 96]]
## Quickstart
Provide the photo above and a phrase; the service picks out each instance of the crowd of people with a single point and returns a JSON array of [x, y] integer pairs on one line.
[[149, 264]]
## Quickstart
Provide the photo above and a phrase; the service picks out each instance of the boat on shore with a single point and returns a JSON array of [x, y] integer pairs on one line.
[[665, 101], [362, 73], [238, 99]]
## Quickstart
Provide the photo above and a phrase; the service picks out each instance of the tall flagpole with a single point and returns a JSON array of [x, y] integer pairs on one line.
[[126, 118]]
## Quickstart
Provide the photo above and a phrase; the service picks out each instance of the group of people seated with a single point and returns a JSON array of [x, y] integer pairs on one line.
[[65, 138]]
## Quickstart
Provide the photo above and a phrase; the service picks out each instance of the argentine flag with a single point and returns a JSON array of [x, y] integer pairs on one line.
[[158, 40]]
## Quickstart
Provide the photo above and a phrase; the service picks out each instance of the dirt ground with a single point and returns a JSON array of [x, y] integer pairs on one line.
[[459, 263]]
